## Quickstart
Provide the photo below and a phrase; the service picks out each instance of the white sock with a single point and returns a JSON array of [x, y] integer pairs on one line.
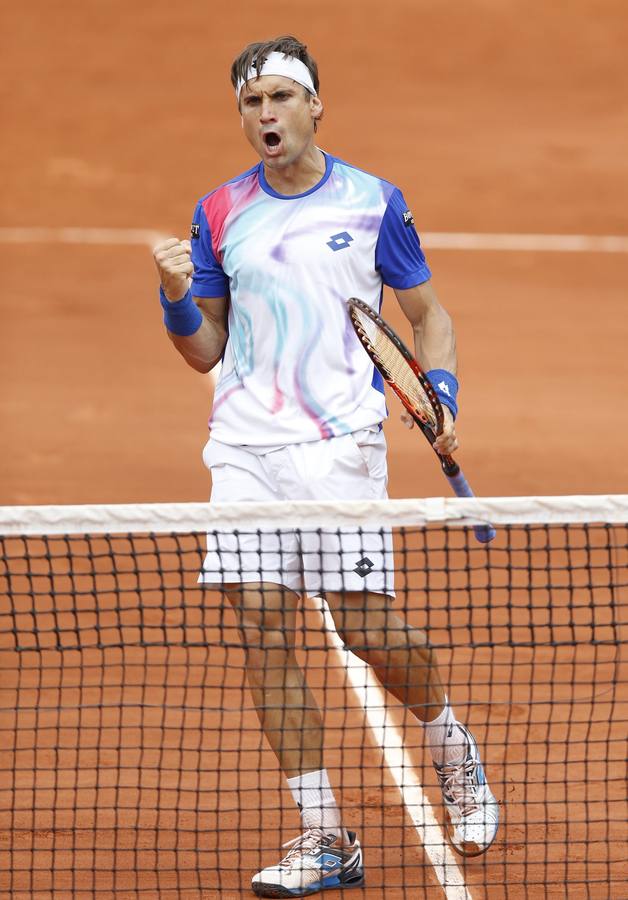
[[313, 795], [447, 743]]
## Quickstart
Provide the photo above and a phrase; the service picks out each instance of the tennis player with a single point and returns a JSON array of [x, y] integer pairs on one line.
[[297, 415]]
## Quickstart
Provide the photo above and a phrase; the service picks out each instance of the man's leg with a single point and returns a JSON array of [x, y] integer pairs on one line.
[[292, 723], [406, 665], [285, 706], [399, 654], [252, 569]]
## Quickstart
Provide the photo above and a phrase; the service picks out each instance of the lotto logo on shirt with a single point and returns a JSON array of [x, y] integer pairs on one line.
[[340, 241]]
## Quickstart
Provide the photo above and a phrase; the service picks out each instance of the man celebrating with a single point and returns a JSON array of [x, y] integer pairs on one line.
[[274, 255]]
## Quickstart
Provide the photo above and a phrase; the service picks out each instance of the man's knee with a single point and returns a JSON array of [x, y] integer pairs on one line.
[[265, 616], [373, 633], [364, 643]]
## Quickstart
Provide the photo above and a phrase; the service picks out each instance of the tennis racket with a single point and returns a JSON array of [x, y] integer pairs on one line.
[[402, 372]]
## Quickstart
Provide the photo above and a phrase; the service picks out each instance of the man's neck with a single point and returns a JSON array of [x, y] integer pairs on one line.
[[299, 177]]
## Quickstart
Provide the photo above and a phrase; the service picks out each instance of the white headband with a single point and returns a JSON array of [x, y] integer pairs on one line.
[[278, 64]]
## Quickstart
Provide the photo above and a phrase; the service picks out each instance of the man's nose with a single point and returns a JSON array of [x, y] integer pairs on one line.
[[267, 111]]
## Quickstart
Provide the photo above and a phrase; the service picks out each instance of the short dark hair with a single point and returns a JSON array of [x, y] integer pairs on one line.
[[254, 56]]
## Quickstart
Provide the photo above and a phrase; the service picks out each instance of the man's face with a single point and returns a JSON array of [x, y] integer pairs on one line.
[[278, 118]]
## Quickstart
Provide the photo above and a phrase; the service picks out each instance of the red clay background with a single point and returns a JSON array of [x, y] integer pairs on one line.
[[492, 115]]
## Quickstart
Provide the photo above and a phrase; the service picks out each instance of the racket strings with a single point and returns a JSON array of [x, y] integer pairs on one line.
[[383, 350]]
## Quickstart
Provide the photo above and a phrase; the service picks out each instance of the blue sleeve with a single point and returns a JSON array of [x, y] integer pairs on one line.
[[209, 279], [398, 255]]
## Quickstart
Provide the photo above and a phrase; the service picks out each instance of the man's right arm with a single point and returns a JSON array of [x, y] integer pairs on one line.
[[204, 347]]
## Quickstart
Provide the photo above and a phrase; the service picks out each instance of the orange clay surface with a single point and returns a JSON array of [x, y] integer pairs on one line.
[[492, 117]]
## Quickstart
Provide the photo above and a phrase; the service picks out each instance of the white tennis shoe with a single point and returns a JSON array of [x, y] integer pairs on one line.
[[315, 862], [472, 809]]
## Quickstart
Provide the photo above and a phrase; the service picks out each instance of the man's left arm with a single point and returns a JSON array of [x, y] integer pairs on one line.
[[434, 344]]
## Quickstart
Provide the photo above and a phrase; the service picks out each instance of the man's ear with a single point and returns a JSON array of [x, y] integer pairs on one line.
[[316, 108]]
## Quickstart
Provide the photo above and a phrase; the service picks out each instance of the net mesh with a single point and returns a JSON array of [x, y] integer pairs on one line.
[[132, 763]]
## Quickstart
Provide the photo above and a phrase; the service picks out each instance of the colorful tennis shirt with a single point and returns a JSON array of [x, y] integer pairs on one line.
[[293, 369]]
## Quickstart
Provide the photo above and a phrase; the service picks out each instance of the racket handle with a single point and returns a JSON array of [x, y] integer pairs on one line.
[[483, 533]]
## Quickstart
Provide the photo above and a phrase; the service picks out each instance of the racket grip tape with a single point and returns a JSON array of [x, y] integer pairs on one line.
[[483, 533]]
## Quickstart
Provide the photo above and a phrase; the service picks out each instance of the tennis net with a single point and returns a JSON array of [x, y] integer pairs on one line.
[[132, 763]]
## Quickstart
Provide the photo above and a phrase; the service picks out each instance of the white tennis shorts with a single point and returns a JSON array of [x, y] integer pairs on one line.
[[351, 467]]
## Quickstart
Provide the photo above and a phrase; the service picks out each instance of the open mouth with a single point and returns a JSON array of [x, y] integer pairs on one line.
[[271, 140]]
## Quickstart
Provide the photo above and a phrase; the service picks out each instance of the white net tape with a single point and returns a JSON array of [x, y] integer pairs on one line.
[[186, 517]]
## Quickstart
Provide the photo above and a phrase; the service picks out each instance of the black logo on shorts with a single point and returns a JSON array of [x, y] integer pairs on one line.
[[364, 567], [195, 231], [408, 218]]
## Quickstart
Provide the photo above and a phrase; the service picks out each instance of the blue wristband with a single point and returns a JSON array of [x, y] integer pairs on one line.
[[183, 317], [445, 387]]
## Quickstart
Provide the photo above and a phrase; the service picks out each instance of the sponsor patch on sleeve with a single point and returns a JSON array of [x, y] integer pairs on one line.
[[195, 231], [408, 218]]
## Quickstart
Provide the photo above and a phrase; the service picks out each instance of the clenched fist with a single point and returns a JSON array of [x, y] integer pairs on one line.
[[173, 259]]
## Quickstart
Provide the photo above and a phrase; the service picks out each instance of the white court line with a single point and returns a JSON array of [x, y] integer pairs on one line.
[[121, 236], [435, 240], [388, 737], [556, 243]]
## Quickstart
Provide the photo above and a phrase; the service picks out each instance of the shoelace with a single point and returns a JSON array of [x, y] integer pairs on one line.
[[458, 782], [301, 846]]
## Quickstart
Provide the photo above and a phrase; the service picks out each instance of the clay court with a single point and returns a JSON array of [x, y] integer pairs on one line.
[[497, 120]]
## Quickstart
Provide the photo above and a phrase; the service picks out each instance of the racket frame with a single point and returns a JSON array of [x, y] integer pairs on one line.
[[451, 469], [449, 465]]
